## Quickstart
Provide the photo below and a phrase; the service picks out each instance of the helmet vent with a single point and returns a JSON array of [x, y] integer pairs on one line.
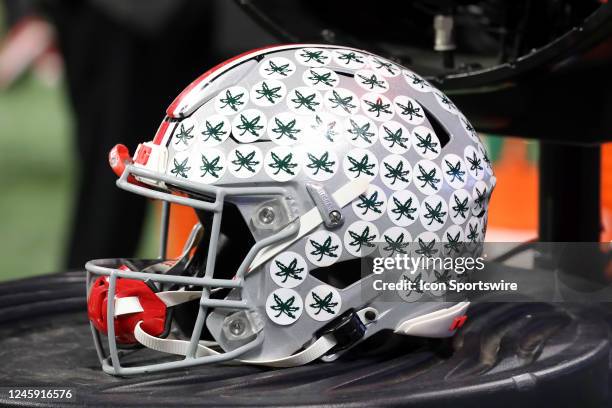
[[343, 274], [344, 73], [438, 128]]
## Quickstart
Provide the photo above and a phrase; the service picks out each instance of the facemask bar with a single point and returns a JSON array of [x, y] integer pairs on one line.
[[108, 267], [165, 219]]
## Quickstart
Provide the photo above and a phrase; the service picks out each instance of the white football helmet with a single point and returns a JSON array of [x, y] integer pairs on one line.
[[303, 163]]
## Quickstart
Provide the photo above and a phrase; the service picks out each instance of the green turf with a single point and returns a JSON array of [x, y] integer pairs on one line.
[[36, 175], [37, 165]]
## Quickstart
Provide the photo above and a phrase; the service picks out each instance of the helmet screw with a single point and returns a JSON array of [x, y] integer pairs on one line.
[[237, 327], [370, 315], [335, 217], [266, 215]]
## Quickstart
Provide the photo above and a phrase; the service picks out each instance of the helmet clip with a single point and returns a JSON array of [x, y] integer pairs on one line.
[[330, 211], [347, 329]]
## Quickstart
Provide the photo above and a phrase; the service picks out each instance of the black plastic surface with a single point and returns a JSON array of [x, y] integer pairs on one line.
[[506, 355], [558, 91], [405, 34]]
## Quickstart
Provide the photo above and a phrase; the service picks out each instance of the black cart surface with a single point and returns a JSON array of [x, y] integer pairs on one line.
[[506, 355]]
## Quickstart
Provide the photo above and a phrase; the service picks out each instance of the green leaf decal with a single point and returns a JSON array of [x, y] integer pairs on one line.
[[445, 101], [378, 107], [473, 235], [371, 81], [428, 177], [348, 57], [324, 249], [386, 65], [214, 131], [180, 169], [184, 135], [232, 101], [344, 103], [282, 70], [307, 101], [426, 143], [415, 283], [454, 171], [329, 132], [427, 249], [289, 271], [245, 161], [475, 163], [460, 207], [469, 128], [363, 239], [360, 132], [442, 277], [418, 81], [361, 166], [395, 245], [283, 164], [317, 56], [370, 203], [284, 307], [325, 79], [434, 214], [210, 167], [320, 164], [410, 110], [285, 129], [397, 172], [324, 303], [251, 126], [404, 209], [395, 137], [481, 198], [453, 245], [270, 94]]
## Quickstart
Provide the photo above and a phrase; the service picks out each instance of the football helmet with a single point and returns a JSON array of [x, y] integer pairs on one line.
[[303, 164]]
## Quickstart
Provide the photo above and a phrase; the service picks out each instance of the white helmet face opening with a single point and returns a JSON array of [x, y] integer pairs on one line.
[[302, 161]]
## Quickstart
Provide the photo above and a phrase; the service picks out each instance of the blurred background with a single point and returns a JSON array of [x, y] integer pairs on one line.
[[78, 77]]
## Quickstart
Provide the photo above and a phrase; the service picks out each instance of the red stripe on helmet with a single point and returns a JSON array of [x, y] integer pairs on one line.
[[161, 131]]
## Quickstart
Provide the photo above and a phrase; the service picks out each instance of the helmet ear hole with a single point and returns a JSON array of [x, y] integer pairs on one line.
[[235, 241]]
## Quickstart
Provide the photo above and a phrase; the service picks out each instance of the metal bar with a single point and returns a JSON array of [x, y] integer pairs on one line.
[[224, 304], [164, 221], [152, 368], [185, 280], [110, 313], [204, 189], [210, 268]]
